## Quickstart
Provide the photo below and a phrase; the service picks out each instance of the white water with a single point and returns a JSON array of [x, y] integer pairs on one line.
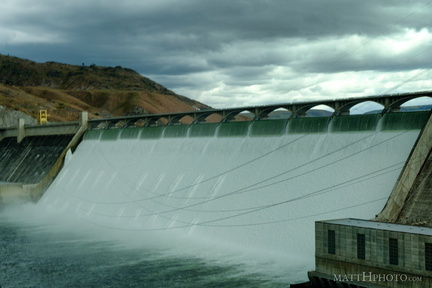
[[257, 196]]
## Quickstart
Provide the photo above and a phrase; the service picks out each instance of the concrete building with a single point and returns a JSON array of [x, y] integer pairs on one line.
[[360, 253]]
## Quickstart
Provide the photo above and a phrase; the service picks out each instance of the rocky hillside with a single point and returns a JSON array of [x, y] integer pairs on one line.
[[9, 117], [65, 90]]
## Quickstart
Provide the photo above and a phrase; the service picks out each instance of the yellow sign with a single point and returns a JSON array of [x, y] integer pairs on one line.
[[43, 116]]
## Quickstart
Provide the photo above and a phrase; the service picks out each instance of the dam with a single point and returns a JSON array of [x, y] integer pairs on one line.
[[253, 187]]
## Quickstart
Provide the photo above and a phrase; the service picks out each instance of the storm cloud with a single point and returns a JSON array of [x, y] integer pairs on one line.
[[235, 53]]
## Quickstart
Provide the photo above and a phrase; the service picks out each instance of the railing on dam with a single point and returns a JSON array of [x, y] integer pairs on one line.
[[390, 103], [65, 128]]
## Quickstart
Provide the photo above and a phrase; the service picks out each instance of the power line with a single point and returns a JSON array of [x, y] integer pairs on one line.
[[350, 182], [244, 188], [130, 184], [422, 72], [259, 208], [352, 51], [285, 172]]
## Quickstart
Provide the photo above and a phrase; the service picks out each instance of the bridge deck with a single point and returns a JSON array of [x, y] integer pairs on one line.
[[391, 102]]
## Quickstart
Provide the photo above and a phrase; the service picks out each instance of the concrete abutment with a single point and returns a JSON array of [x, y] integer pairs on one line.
[[27, 155]]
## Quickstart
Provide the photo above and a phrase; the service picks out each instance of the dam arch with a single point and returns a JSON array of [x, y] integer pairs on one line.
[[234, 115], [396, 105], [209, 117], [264, 114], [366, 107], [341, 106], [346, 109], [425, 101]]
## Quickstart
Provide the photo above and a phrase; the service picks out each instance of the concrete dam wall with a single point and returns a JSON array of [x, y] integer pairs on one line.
[[257, 186], [30, 160], [32, 155], [26, 167]]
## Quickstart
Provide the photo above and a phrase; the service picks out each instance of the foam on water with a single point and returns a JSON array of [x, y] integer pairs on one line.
[[257, 196]]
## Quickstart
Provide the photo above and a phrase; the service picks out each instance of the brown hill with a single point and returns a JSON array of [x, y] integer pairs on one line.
[[65, 90]]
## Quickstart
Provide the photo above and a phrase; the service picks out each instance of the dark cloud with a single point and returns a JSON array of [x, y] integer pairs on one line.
[[211, 48]]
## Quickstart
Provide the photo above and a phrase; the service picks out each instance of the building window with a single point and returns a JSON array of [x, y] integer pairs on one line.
[[428, 256], [361, 247], [331, 242], [393, 251]]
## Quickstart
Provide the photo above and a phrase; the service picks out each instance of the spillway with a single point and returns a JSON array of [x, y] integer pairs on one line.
[[255, 187]]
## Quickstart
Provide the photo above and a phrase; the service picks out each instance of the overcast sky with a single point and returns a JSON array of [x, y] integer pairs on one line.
[[229, 53]]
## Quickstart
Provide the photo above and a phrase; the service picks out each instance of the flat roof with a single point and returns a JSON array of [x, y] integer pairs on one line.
[[381, 226]]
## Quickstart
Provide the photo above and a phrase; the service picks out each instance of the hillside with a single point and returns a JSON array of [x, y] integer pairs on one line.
[[65, 90]]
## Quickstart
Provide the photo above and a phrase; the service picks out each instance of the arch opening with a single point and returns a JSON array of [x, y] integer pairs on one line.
[[319, 111], [418, 104], [158, 121], [212, 118], [186, 119], [238, 115], [279, 113], [366, 107], [139, 123], [244, 115]]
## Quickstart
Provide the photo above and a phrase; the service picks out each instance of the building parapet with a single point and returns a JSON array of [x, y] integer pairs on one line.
[[364, 253]]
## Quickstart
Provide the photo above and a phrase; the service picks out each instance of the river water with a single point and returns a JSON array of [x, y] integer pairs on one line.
[[41, 252]]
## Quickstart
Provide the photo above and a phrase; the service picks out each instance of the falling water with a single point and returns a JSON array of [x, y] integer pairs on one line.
[[232, 193]]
